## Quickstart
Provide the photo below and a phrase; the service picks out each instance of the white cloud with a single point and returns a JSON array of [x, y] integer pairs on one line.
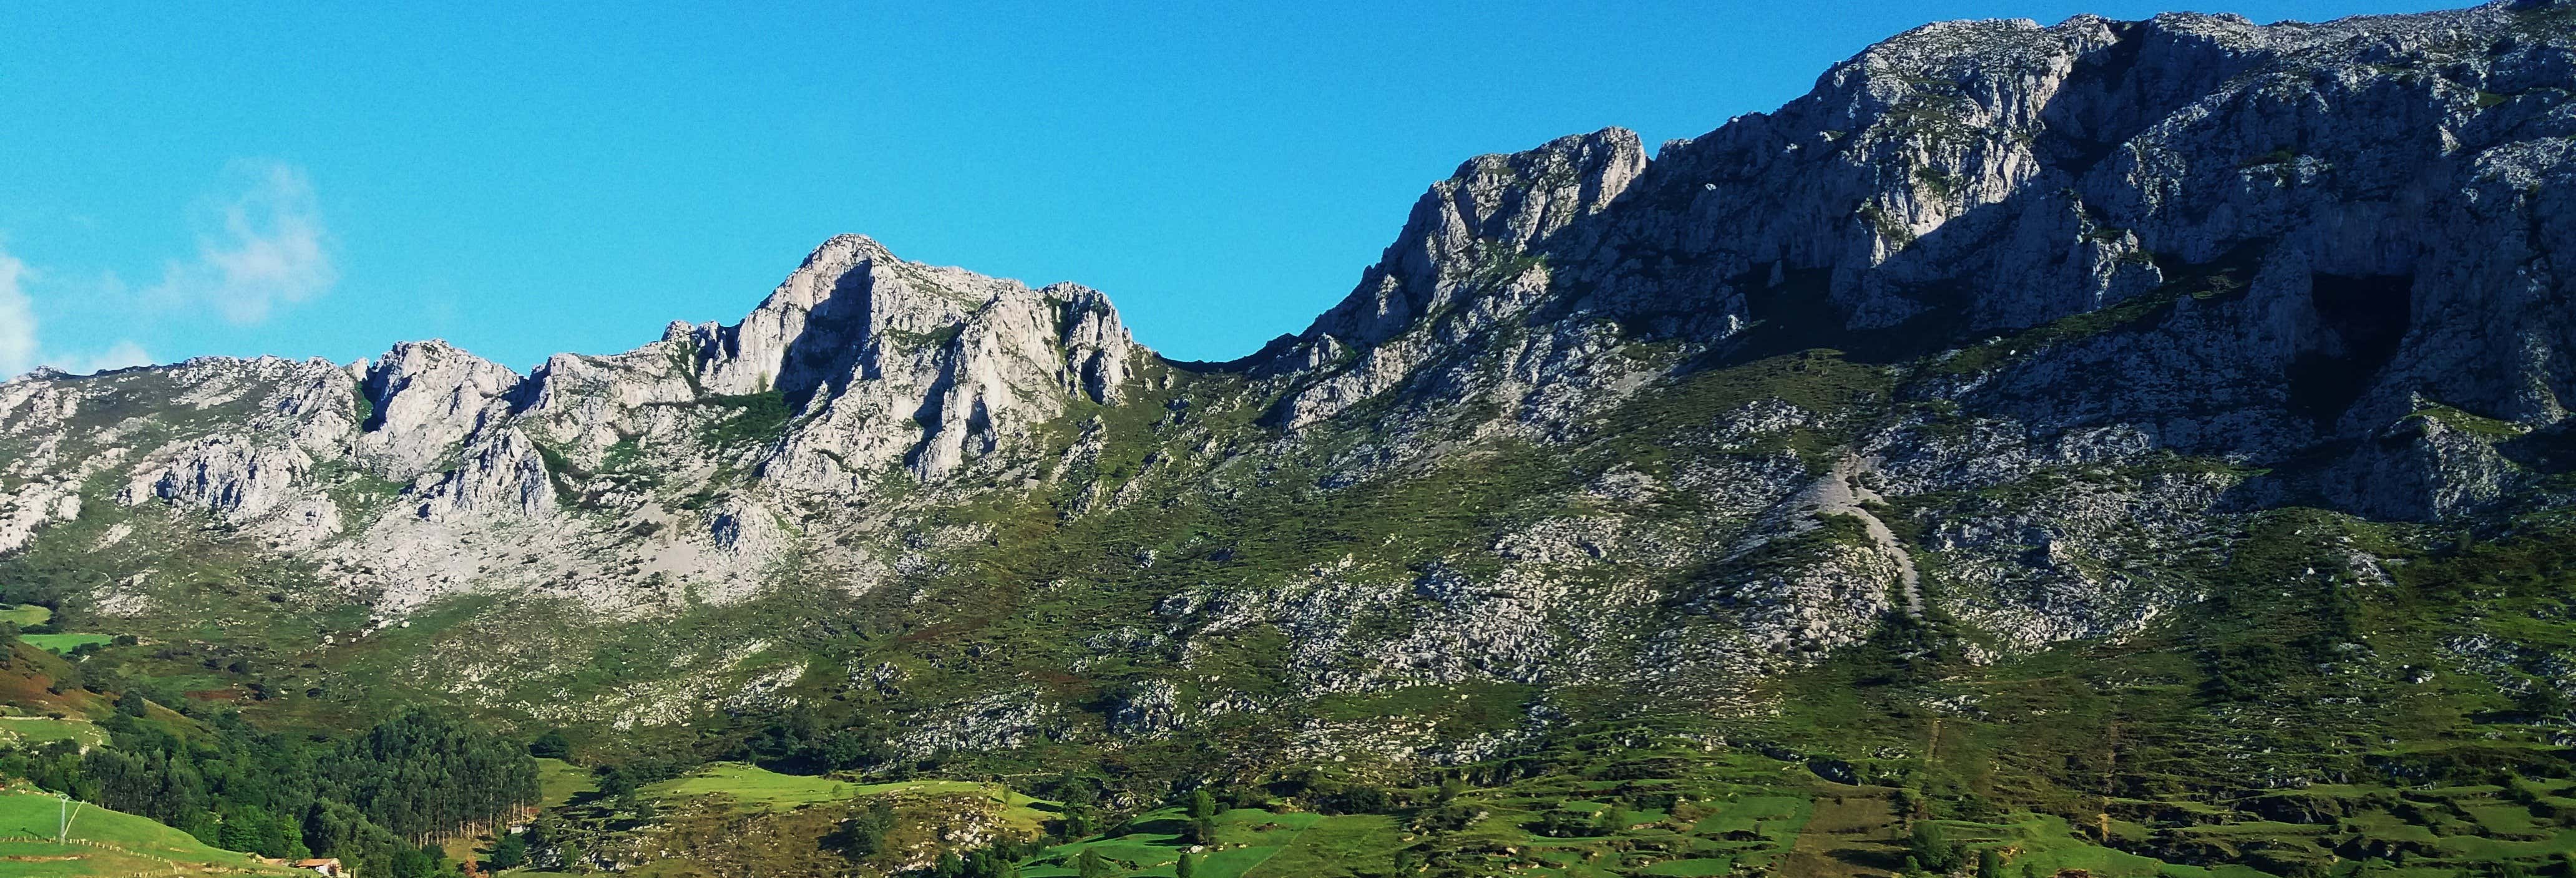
[[20, 348], [120, 355], [272, 249], [17, 320], [263, 247]]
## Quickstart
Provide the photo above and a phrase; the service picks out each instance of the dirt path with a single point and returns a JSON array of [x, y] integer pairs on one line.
[[1842, 494]]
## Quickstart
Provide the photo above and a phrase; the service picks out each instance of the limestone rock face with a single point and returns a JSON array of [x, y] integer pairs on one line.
[[226, 475], [1467, 257], [587, 404], [32, 507], [897, 364], [427, 396], [429, 471], [2314, 226], [1476, 227], [501, 473]]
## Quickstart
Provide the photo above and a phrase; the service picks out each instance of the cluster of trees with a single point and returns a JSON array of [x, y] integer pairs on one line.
[[1570, 823], [1202, 826], [423, 775], [803, 741], [1002, 860], [863, 835], [376, 799], [1928, 847], [548, 843]]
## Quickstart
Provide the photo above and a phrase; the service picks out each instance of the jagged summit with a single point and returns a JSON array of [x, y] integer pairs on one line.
[[2386, 184], [1482, 218], [859, 368]]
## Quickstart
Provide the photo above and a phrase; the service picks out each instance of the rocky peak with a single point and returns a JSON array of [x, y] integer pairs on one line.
[[895, 362], [849, 296], [1096, 344], [1478, 228], [426, 396], [1473, 252], [1969, 179]]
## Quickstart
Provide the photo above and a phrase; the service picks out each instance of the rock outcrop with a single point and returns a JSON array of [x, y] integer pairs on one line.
[[226, 475], [426, 398], [2350, 215]]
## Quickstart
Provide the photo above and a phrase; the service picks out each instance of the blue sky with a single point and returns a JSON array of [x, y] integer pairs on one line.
[[327, 180]]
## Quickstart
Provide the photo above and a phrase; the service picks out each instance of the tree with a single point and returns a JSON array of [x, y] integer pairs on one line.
[[616, 782], [420, 862], [1612, 820], [1077, 821], [1933, 847], [1451, 788], [204, 827], [238, 833], [1188, 867], [1990, 863], [863, 834], [132, 704], [510, 852], [1364, 800], [471, 775], [1201, 828], [1090, 865], [551, 745]]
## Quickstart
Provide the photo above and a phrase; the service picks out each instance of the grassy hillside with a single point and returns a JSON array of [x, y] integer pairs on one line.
[[63, 642], [754, 788], [35, 730], [104, 843]]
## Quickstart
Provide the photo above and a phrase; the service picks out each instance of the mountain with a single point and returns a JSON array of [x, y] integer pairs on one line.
[[2153, 427]]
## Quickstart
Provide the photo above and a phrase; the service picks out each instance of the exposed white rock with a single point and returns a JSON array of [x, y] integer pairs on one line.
[[502, 473], [427, 397], [226, 475]]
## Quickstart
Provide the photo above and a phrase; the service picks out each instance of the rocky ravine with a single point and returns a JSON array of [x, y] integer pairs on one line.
[[2097, 288]]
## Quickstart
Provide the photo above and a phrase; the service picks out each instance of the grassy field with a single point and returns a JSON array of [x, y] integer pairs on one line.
[[23, 615], [1247, 839], [41, 730], [559, 781], [63, 642], [1692, 818], [759, 789], [105, 843]]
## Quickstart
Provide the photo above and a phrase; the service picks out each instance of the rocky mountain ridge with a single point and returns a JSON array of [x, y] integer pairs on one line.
[[2003, 326]]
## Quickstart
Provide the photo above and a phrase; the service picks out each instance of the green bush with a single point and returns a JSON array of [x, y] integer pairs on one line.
[[1934, 848], [757, 417]]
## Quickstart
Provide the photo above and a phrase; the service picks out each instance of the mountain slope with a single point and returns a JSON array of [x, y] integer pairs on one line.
[[104, 842], [2153, 415]]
